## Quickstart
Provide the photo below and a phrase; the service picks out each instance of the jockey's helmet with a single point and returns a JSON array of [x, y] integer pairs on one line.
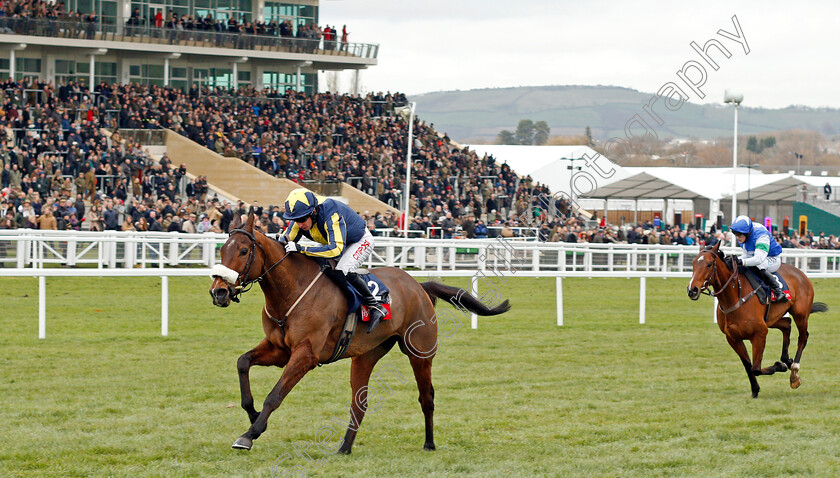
[[742, 225], [300, 204]]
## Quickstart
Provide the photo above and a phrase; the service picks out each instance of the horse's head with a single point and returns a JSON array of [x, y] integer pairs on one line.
[[242, 260], [704, 267]]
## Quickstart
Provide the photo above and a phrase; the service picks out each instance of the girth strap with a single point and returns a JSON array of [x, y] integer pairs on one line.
[[739, 303], [344, 339]]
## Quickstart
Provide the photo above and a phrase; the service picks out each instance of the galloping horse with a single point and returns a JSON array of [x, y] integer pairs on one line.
[[313, 321], [741, 316]]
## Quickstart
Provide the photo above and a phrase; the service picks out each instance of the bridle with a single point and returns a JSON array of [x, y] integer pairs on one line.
[[705, 289], [245, 285]]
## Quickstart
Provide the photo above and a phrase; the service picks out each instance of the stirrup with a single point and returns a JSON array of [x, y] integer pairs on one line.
[[778, 296], [376, 314]]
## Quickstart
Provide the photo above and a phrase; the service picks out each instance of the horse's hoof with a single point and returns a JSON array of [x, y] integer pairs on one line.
[[343, 451], [794, 384], [780, 367], [242, 443], [429, 447]]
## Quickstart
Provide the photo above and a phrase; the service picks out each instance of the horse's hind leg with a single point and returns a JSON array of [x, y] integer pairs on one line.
[[423, 374], [740, 349], [265, 353], [784, 325], [801, 320], [360, 371], [302, 360]]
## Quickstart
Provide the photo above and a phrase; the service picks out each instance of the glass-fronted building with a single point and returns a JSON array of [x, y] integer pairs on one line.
[[178, 43]]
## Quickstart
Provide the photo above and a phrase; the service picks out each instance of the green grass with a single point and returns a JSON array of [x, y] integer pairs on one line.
[[106, 395]]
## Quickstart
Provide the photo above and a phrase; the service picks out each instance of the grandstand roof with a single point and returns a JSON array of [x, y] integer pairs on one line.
[[700, 183]]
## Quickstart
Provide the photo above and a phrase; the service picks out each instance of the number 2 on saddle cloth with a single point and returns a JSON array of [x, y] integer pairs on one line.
[[375, 285]]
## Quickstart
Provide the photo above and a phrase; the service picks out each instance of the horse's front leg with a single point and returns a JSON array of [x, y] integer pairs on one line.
[[759, 341], [265, 353], [302, 360], [740, 349]]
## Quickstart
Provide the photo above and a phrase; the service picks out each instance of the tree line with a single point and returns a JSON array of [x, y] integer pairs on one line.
[[527, 133]]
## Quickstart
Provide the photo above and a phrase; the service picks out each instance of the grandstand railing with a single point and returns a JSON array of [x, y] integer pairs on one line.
[[104, 31], [146, 137], [35, 253]]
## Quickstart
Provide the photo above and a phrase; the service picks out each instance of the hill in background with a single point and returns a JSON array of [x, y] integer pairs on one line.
[[479, 115]]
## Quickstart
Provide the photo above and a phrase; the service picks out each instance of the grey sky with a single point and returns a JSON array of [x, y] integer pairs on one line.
[[446, 45]]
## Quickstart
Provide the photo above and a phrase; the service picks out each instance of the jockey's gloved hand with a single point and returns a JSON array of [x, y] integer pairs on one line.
[[292, 247], [739, 260]]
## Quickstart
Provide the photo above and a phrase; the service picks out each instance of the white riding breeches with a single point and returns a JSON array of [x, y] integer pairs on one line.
[[356, 254], [770, 264]]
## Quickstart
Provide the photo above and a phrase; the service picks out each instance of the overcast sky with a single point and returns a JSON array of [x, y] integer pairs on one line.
[[436, 45]]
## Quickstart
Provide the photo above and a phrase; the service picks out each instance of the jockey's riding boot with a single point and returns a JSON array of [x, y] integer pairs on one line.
[[376, 311], [778, 295]]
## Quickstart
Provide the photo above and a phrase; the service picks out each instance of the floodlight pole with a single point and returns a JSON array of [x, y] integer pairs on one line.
[[735, 99], [735, 169], [408, 169]]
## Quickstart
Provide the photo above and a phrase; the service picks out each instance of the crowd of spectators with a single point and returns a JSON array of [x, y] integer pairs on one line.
[[38, 17], [59, 171], [327, 138], [249, 33]]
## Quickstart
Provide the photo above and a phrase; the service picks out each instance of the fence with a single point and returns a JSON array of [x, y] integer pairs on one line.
[[125, 254]]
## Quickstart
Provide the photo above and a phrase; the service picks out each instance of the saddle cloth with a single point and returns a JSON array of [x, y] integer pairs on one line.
[[380, 293]]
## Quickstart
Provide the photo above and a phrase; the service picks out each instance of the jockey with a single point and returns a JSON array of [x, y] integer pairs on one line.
[[343, 234], [761, 253]]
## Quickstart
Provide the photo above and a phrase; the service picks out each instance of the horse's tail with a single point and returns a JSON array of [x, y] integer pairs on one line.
[[462, 299], [819, 307]]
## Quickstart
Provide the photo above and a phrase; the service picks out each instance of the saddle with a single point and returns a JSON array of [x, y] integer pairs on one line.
[[762, 290]]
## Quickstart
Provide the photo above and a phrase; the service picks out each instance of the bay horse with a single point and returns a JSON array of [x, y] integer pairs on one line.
[[313, 322], [741, 316]]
